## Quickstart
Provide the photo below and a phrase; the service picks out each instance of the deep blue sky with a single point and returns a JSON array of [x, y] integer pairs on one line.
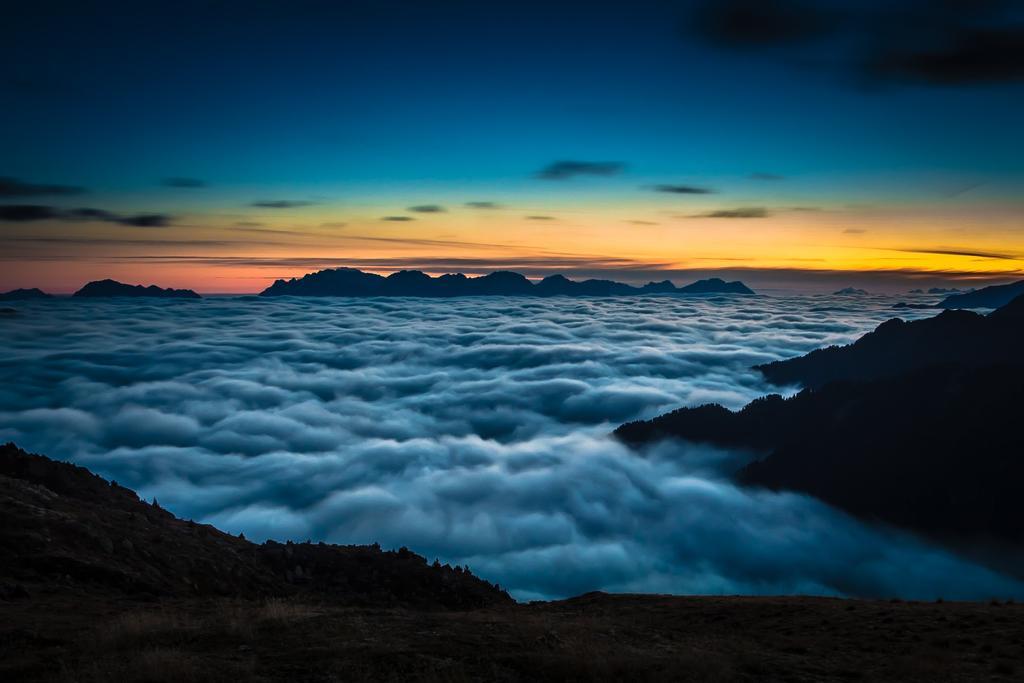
[[312, 92]]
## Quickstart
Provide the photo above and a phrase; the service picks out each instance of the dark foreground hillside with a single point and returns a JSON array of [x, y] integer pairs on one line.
[[96, 585]]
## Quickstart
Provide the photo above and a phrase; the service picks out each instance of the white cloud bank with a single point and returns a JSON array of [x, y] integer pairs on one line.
[[471, 430]]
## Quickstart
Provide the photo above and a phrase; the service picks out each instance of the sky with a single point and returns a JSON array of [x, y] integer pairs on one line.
[[219, 146]]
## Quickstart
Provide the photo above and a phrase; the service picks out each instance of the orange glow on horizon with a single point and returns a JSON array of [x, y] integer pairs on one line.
[[215, 255]]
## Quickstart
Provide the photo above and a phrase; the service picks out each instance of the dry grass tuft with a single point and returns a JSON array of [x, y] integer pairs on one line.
[[284, 611], [133, 628]]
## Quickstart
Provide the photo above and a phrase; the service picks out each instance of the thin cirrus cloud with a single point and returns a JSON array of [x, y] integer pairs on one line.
[[741, 212], [397, 219], [682, 189], [973, 253], [330, 437], [427, 208], [541, 218], [483, 205], [281, 203], [33, 212], [13, 187], [565, 169], [766, 176]]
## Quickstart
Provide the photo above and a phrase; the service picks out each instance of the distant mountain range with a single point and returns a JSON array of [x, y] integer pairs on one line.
[[23, 294], [953, 336], [113, 288], [352, 282], [986, 297], [915, 424]]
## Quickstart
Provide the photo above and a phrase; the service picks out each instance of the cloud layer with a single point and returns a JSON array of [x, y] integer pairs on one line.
[[470, 430], [563, 170], [33, 212]]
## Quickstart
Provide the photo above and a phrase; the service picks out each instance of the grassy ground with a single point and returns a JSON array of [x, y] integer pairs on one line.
[[594, 637]]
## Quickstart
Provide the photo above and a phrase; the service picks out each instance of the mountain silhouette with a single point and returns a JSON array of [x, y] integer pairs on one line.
[[986, 297], [895, 346], [113, 288], [915, 424], [937, 450], [64, 524], [352, 282], [23, 294]]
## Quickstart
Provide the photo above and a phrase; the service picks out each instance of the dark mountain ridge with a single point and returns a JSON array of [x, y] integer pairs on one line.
[[937, 451], [915, 424], [895, 346], [66, 527], [986, 297], [352, 282], [23, 294], [113, 288]]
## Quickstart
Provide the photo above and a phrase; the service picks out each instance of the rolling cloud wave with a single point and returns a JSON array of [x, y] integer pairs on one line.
[[471, 430]]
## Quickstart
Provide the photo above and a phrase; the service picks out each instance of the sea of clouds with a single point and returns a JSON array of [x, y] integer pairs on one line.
[[472, 430]]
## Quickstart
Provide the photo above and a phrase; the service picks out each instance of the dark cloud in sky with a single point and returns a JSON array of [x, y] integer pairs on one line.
[[472, 431], [139, 220], [756, 24], [89, 214], [281, 203], [540, 218], [483, 205], [997, 255], [959, 55], [682, 189], [766, 176], [12, 187], [33, 212], [563, 170], [854, 231], [741, 212], [185, 183], [930, 43], [427, 208], [26, 212], [397, 219], [145, 220]]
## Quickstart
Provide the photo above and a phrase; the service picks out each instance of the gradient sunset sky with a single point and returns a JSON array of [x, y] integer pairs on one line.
[[219, 146]]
